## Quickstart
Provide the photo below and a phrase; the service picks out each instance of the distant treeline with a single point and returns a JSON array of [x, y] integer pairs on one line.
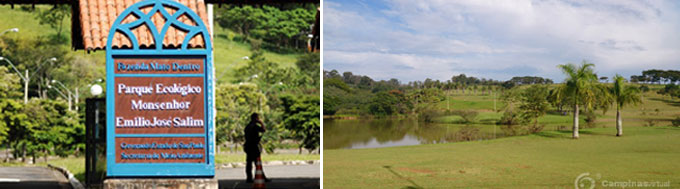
[[352, 94], [458, 82], [657, 76]]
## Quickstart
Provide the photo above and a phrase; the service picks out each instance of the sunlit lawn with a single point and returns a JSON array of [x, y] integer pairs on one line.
[[548, 159], [228, 158], [640, 114]]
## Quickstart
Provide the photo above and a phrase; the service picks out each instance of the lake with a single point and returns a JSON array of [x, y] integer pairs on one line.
[[378, 133]]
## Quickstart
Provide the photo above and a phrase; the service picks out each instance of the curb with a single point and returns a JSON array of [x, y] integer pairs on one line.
[[74, 182], [293, 162]]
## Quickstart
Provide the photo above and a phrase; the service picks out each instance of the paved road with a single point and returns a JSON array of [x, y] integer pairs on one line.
[[32, 177], [283, 176]]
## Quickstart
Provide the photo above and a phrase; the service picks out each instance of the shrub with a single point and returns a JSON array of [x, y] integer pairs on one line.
[[650, 123], [428, 114], [352, 111], [676, 122], [644, 88], [469, 116], [590, 119], [509, 118], [562, 128], [511, 130], [535, 128]]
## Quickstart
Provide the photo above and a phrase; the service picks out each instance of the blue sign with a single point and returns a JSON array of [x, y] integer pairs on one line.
[[159, 100]]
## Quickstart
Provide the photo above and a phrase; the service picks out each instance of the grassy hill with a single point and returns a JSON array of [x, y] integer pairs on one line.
[[227, 53], [655, 109]]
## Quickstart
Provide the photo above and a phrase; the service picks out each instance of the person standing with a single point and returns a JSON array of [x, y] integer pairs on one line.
[[252, 146]]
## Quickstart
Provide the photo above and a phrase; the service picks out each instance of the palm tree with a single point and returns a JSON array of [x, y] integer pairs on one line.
[[580, 88], [623, 95]]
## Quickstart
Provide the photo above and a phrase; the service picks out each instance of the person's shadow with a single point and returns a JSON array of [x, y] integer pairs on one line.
[[414, 185]]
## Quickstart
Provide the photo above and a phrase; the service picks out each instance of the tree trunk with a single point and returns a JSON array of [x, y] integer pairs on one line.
[[7, 152], [619, 123], [535, 122], [23, 153], [575, 129]]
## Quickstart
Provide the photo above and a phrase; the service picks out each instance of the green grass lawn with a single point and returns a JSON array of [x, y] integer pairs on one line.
[[28, 24], [668, 108], [228, 55], [549, 159], [468, 101], [229, 158], [546, 160]]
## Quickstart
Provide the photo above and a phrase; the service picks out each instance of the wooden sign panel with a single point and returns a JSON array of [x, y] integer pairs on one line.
[[159, 100], [159, 105], [160, 150]]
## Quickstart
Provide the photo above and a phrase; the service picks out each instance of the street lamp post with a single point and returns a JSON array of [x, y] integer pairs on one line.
[[26, 77], [70, 94], [9, 30], [62, 95]]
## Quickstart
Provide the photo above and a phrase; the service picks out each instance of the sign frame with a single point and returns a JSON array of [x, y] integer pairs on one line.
[[206, 169]]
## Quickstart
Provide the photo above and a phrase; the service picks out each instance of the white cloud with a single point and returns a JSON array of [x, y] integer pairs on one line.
[[406, 67], [618, 36]]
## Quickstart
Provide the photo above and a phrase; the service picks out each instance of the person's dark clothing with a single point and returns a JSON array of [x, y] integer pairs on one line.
[[252, 146]]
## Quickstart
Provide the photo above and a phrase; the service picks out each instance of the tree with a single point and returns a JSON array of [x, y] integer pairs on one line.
[[605, 79], [383, 104], [534, 103], [241, 18], [279, 25], [54, 17], [9, 83], [12, 121], [309, 65], [670, 89], [235, 104], [511, 116], [302, 119], [581, 86], [77, 74], [623, 95], [33, 54]]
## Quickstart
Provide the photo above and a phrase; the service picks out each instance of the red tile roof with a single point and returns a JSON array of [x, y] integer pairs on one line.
[[97, 16]]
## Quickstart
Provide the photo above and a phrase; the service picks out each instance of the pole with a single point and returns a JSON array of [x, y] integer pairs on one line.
[[69, 103], [26, 78], [77, 95], [70, 94], [26, 88], [494, 101], [62, 95]]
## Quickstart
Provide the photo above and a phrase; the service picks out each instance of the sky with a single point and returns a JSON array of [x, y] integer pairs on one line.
[[498, 39]]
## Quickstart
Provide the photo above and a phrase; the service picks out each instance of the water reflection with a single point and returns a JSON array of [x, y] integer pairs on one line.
[[377, 133]]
